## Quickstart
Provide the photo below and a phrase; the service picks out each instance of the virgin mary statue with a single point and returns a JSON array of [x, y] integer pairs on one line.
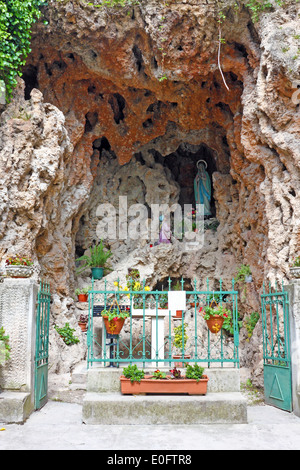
[[202, 187]]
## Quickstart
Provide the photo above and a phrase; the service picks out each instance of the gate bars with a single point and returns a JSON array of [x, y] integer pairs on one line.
[[134, 345], [42, 345]]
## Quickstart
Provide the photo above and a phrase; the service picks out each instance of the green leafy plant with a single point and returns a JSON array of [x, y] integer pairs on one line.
[[4, 346], [219, 310], [83, 290], [115, 314], [157, 375], [163, 300], [97, 259], [243, 272], [180, 336], [67, 334], [250, 323], [296, 262], [133, 373], [16, 20], [194, 372]]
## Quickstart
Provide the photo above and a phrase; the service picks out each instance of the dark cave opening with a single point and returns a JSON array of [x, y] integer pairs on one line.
[[183, 165]]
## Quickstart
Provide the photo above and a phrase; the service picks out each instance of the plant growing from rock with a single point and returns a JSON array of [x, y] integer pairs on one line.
[[4, 346], [16, 20], [67, 334]]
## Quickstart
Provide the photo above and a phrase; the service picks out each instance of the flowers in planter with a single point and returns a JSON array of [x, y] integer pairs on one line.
[[82, 322], [157, 375], [19, 261], [19, 266], [215, 316], [114, 320], [134, 285]]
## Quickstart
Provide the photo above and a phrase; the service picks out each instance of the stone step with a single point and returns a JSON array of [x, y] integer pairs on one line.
[[117, 409], [15, 407], [107, 379]]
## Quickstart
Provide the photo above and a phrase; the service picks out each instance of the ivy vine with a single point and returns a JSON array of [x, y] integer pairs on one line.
[[16, 20]]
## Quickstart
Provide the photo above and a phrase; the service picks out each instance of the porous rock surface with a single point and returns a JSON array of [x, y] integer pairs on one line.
[[147, 79]]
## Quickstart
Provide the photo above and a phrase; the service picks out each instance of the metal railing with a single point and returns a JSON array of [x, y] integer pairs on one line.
[[149, 333]]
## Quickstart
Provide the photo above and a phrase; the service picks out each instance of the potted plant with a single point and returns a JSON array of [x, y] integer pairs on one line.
[[4, 346], [163, 301], [214, 316], [179, 340], [82, 294], [82, 322], [295, 268], [97, 261], [19, 267], [134, 382], [114, 320]]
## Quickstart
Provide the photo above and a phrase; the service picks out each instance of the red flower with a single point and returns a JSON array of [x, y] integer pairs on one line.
[[115, 319]]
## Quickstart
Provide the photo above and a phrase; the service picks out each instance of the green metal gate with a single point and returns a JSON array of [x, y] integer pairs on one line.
[[276, 348], [42, 346], [153, 347]]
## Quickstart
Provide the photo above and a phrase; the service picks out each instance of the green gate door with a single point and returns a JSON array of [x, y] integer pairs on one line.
[[276, 344], [42, 343]]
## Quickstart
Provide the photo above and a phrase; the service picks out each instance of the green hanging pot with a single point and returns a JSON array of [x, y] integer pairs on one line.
[[97, 273]]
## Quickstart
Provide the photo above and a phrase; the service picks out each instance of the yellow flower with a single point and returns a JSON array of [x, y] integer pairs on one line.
[[116, 283], [125, 288], [147, 288], [137, 285]]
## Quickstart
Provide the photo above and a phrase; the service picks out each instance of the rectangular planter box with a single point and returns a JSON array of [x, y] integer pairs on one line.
[[162, 386]]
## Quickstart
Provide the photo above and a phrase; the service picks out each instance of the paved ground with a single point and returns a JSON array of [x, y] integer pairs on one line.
[[58, 426]]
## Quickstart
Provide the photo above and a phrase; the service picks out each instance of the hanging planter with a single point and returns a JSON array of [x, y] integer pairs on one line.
[[215, 316], [114, 319]]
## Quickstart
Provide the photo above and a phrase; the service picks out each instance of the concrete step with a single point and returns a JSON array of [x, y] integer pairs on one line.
[[117, 409], [15, 407], [107, 379]]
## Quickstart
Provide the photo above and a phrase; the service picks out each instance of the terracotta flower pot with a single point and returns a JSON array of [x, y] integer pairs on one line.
[[114, 326], [161, 386], [82, 298], [178, 313], [180, 364], [83, 326], [215, 323]]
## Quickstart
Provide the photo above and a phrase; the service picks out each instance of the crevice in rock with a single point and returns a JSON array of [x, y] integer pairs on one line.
[[117, 103]]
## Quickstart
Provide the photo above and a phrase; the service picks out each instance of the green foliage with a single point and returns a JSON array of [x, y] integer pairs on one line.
[[4, 346], [296, 262], [250, 323], [219, 310], [97, 259], [66, 332], [180, 335], [112, 314], [133, 373], [243, 272], [194, 372], [157, 375], [83, 291], [16, 20]]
